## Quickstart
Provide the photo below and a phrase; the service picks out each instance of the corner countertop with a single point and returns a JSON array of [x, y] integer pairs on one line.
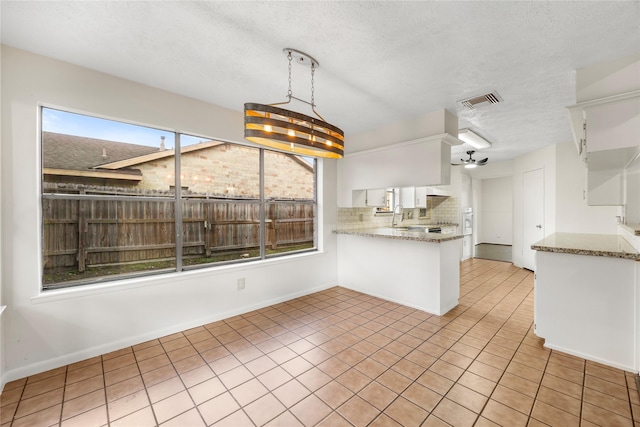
[[607, 245], [632, 228], [393, 233]]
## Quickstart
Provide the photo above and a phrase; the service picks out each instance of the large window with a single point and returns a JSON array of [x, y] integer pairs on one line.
[[121, 200]]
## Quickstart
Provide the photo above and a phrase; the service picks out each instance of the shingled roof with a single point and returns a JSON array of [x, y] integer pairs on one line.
[[60, 151]]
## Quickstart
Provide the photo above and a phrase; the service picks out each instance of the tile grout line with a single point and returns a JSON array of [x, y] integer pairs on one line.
[[104, 384], [494, 335]]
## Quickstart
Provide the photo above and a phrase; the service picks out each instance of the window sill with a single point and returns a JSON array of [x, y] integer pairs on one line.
[[155, 280]]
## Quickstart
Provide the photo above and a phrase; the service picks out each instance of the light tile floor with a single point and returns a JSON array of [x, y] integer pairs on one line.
[[341, 358]]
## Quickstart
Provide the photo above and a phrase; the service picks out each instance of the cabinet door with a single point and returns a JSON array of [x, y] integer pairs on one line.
[[421, 197], [359, 198], [377, 198], [613, 125], [408, 197]]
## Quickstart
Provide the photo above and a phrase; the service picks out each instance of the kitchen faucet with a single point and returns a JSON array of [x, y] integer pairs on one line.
[[393, 219]]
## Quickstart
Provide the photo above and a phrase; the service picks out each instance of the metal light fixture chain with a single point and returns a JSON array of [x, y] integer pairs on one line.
[[290, 92], [313, 71]]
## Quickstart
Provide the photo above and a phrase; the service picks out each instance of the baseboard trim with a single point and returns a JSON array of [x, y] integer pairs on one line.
[[591, 358], [88, 353]]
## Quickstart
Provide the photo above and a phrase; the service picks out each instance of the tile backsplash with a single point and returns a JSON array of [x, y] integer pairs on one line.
[[441, 210]]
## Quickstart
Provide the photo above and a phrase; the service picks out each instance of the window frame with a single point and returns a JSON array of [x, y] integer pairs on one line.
[[178, 202]]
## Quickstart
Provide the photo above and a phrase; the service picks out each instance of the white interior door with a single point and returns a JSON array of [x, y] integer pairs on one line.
[[533, 215]]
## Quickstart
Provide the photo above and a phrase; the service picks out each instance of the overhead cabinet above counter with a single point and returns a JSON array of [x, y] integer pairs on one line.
[[375, 198], [607, 137], [425, 161], [605, 124], [407, 197]]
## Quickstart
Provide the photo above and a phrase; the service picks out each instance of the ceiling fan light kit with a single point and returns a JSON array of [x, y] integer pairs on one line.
[[471, 163]]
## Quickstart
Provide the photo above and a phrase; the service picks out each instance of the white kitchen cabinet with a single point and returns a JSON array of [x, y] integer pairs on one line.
[[613, 125], [607, 135], [606, 124], [425, 161], [408, 197], [375, 198]]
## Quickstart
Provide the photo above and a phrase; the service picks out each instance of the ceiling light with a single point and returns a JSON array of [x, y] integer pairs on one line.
[[287, 130], [473, 139]]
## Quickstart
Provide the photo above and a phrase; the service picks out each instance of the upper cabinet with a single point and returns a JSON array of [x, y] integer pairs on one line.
[[426, 161], [613, 125], [402, 154], [610, 123], [606, 126], [376, 198], [408, 197], [607, 133]]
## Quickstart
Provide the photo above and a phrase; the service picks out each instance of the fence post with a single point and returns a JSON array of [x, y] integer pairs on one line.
[[207, 228], [82, 236]]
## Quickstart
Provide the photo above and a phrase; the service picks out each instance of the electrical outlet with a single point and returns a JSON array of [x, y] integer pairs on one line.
[[241, 283]]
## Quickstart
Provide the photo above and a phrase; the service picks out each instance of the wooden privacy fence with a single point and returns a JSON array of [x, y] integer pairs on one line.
[[83, 233]]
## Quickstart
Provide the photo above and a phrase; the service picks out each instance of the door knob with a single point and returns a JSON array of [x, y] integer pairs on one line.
[[538, 226]]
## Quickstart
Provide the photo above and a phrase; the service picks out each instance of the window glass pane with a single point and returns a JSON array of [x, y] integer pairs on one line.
[[90, 239], [221, 193], [290, 213], [287, 176], [88, 155], [290, 226], [108, 206]]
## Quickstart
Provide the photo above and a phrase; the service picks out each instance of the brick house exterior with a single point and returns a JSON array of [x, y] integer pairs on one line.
[[211, 167]]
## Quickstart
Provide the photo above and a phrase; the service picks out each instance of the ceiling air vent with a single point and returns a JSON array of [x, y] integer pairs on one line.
[[481, 101]]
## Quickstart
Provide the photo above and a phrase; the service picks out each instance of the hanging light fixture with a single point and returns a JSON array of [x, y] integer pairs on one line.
[[276, 127]]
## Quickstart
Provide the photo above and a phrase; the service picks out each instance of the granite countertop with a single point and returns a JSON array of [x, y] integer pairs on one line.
[[394, 233], [607, 245]]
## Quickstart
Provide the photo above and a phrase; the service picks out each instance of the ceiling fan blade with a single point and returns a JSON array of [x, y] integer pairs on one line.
[[482, 162]]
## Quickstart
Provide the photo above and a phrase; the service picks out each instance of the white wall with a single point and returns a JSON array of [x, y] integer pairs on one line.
[[496, 214], [46, 330], [573, 215]]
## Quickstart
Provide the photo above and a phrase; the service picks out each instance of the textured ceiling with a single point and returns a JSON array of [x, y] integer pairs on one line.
[[380, 62]]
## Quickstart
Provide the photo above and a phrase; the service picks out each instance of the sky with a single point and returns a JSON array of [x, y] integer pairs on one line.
[[92, 127], [67, 123]]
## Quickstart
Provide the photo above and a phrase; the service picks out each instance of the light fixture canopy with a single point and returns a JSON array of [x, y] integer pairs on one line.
[[282, 129], [473, 139]]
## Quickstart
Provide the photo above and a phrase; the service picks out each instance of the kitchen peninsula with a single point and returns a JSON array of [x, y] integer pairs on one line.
[[585, 297], [414, 268]]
